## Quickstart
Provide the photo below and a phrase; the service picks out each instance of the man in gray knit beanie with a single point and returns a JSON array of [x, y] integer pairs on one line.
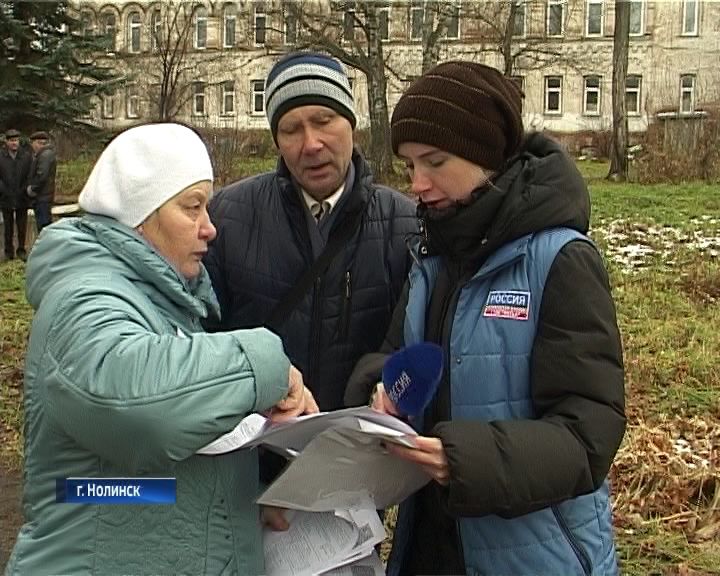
[[314, 249]]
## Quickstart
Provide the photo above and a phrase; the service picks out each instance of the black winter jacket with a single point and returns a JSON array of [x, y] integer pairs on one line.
[[42, 175], [14, 178], [263, 247]]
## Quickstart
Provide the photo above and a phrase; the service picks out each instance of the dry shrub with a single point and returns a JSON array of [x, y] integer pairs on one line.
[[229, 147], [682, 149], [670, 472]]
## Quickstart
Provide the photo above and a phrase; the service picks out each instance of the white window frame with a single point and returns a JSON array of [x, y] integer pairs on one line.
[[227, 95], [259, 23], [456, 17], [199, 99], [638, 5], [348, 29], [553, 90], [132, 102], [587, 89], [87, 24], [200, 28], [155, 29], [637, 91], [588, 5], [134, 33], [289, 39], [229, 23], [417, 9], [257, 94], [522, 12], [562, 4], [687, 90], [384, 31], [107, 107], [109, 27], [690, 7]]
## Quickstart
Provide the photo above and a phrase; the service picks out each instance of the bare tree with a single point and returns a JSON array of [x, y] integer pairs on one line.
[[618, 148], [349, 32], [170, 63], [436, 17]]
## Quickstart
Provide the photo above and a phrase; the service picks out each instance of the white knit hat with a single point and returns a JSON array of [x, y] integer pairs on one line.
[[142, 168]]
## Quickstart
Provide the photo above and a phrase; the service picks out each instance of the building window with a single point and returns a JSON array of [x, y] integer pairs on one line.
[[132, 102], [384, 23], [134, 29], [156, 28], [594, 17], [637, 17], [291, 24], [690, 17], [110, 31], [349, 24], [687, 94], [258, 97], [553, 94], [227, 98], [229, 21], [633, 86], [555, 17], [108, 106], [520, 83], [87, 27], [260, 23], [417, 15], [591, 96], [201, 28], [198, 99], [452, 31], [519, 19]]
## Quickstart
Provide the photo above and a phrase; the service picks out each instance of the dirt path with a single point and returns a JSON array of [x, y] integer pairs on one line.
[[10, 511]]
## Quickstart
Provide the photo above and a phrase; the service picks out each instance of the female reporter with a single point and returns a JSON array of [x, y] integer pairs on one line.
[[523, 429], [121, 381]]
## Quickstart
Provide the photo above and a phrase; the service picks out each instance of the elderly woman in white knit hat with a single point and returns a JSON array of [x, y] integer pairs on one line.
[[121, 381]]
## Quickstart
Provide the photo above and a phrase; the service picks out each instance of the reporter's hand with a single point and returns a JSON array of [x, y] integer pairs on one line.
[[381, 402], [274, 518], [429, 453]]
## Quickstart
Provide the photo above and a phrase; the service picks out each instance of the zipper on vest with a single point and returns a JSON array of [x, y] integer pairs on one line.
[[574, 544], [346, 309]]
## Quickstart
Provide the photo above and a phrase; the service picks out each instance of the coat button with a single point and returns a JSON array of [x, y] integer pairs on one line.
[[458, 360]]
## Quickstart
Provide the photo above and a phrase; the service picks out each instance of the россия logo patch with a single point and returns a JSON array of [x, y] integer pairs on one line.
[[511, 304]]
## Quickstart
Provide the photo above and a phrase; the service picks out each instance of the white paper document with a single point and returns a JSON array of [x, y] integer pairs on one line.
[[317, 543], [294, 434]]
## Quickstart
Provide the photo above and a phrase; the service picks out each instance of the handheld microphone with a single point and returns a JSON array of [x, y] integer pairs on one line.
[[412, 375]]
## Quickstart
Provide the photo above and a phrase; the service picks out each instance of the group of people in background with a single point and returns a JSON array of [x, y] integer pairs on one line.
[[170, 311], [27, 180]]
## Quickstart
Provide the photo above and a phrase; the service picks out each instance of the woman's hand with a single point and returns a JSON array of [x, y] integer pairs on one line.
[[299, 399], [428, 453], [274, 518]]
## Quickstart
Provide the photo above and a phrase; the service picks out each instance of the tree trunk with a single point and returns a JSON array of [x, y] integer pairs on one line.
[[380, 153], [618, 150]]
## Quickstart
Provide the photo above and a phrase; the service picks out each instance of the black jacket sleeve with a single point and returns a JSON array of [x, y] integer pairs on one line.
[[368, 370], [514, 467]]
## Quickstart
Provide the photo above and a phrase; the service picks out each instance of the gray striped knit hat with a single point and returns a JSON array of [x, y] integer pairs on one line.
[[306, 78]]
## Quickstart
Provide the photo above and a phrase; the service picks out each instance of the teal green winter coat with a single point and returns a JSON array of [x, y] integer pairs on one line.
[[120, 380]]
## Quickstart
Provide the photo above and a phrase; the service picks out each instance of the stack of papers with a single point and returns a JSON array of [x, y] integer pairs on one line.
[[340, 473], [324, 543]]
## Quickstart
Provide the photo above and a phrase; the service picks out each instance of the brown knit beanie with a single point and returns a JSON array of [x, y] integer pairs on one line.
[[464, 108]]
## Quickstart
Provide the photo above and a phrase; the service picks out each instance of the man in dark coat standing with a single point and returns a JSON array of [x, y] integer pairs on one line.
[[274, 227], [14, 169], [41, 187]]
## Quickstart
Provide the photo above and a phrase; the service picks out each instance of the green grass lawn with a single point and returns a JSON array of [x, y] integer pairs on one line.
[[662, 247]]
